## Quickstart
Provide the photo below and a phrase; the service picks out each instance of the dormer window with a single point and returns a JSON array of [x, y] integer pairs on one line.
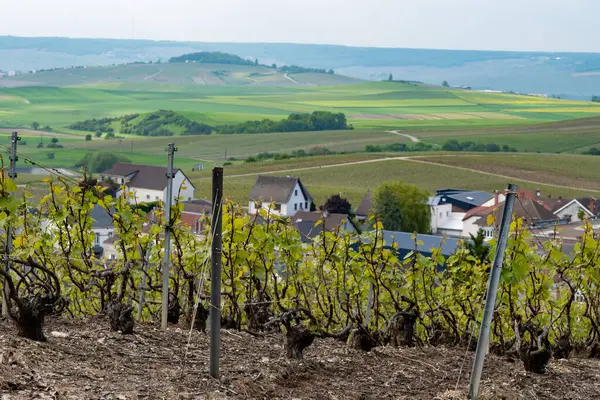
[[296, 192]]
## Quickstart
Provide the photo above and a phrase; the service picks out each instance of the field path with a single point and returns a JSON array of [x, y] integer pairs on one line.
[[286, 76], [411, 159], [416, 159], [147, 78], [406, 135]]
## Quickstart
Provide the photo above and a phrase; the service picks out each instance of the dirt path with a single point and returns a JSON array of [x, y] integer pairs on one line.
[[83, 360], [415, 159], [412, 138], [412, 159], [154, 75], [286, 76]]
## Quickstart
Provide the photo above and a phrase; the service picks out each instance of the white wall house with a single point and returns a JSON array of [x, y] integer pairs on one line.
[[572, 209], [149, 183], [287, 193]]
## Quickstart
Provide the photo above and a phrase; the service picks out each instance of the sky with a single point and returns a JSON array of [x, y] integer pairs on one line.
[[532, 25]]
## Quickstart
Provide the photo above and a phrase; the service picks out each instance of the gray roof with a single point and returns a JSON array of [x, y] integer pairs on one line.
[[406, 242], [364, 209], [434, 200], [101, 218], [305, 222], [142, 176], [278, 189], [474, 198]]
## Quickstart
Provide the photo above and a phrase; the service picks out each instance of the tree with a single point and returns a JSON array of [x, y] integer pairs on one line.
[[492, 148], [451, 145], [331, 72], [109, 135], [54, 140], [98, 134], [402, 207], [390, 78], [35, 125], [88, 137], [274, 66], [100, 161], [445, 84], [336, 204], [256, 62], [477, 246], [596, 99]]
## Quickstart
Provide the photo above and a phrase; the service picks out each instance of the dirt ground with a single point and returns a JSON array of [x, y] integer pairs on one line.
[[84, 360]]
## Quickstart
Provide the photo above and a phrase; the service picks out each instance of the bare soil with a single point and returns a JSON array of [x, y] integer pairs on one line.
[[84, 360]]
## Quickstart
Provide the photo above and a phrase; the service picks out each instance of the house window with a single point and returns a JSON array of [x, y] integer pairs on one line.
[[110, 234], [156, 198], [295, 206], [147, 197], [189, 199], [296, 192], [97, 238], [277, 207], [447, 213], [301, 206], [441, 215], [306, 205], [112, 257]]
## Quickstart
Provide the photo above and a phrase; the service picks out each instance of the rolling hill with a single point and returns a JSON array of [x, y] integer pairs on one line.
[[570, 75]]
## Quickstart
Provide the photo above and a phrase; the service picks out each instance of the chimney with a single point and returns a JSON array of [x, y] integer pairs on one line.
[[591, 207], [495, 197], [538, 193]]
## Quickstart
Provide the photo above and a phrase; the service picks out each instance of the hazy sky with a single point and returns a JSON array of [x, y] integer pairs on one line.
[[561, 25]]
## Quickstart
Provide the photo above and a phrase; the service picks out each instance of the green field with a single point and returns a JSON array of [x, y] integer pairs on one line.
[[324, 178], [373, 105], [241, 93]]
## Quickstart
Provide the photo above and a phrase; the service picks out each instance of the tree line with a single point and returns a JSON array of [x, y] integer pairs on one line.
[[315, 121], [167, 122], [295, 69], [455, 145], [212, 57]]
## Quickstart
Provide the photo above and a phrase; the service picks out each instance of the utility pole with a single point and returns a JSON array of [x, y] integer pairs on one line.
[[167, 260], [215, 276], [12, 175], [492, 291], [225, 153], [131, 150]]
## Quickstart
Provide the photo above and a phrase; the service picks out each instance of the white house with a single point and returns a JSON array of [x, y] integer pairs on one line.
[[102, 226], [149, 183], [572, 210], [287, 193]]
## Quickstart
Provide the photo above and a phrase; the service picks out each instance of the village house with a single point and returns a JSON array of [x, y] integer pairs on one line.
[[450, 206], [287, 194], [102, 225], [148, 183], [364, 208]]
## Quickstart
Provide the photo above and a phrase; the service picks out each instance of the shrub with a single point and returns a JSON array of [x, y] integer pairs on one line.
[[88, 137], [50, 156]]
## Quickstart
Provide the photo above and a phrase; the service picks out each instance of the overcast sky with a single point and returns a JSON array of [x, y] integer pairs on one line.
[[559, 25]]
